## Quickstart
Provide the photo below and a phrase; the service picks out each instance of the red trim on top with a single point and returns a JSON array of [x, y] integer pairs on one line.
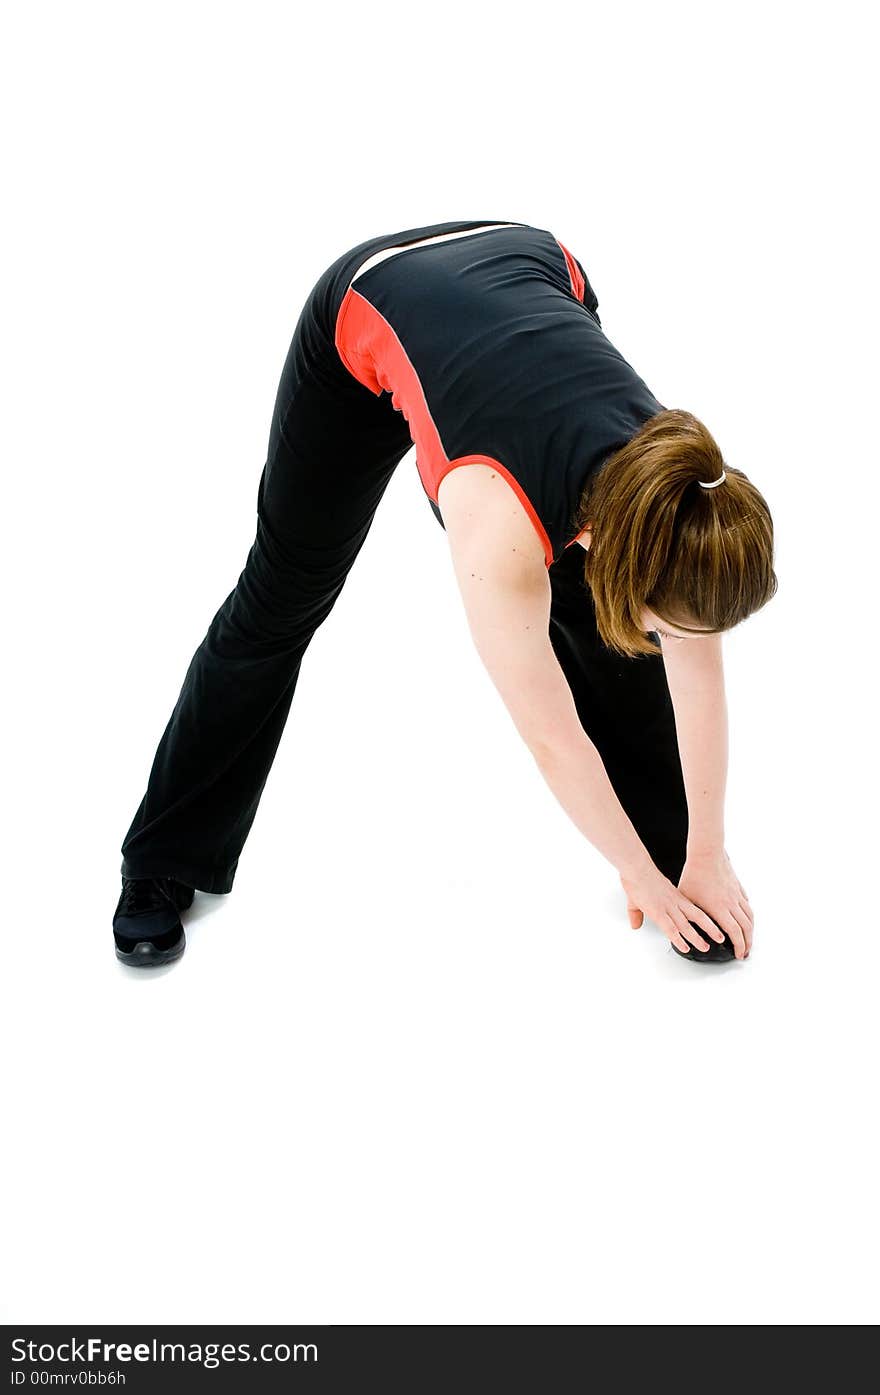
[[515, 486], [574, 273], [373, 354], [585, 529]]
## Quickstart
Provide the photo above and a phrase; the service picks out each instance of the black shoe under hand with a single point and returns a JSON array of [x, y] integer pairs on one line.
[[715, 954], [146, 924]]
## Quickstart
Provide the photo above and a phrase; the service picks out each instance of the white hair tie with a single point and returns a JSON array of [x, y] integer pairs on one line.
[[712, 483]]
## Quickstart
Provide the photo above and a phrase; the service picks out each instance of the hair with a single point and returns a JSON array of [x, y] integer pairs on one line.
[[700, 559]]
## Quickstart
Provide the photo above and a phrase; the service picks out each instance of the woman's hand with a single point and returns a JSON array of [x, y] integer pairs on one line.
[[709, 879], [708, 887], [649, 893]]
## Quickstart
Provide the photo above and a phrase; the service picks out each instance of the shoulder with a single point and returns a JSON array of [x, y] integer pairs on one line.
[[483, 510]]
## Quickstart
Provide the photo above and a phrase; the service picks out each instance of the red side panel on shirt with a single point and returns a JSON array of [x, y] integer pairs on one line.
[[574, 274], [372, 352]]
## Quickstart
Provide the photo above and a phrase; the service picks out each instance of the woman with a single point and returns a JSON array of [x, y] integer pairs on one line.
[[600, 546]]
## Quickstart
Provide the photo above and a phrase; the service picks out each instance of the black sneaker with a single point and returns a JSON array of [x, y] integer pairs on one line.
[[146, 923]]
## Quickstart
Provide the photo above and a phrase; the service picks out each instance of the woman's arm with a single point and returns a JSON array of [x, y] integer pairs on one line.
[[506, 593], [501, 573], [505, 586], [695, 674]]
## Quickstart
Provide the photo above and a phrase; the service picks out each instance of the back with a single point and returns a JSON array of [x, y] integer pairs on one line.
[[490, 345]]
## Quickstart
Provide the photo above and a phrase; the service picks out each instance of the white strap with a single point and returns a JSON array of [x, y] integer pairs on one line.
[[382, 256]]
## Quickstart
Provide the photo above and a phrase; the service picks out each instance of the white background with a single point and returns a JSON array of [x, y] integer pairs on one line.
[[417, 1067]]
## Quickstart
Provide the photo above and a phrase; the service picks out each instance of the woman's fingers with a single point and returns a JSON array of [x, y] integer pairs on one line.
[[744, 902], [739, 931], [680, 943], [689, 933], [742, 913], [704, 921], [635, 914], [748, 925], [737, 936]]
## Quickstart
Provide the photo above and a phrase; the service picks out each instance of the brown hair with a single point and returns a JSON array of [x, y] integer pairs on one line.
[[700, 559]]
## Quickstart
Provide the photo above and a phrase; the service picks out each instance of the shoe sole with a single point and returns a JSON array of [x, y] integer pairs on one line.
[[145, 955]]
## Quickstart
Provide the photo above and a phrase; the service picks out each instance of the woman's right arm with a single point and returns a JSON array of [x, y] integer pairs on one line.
[[505, 588]]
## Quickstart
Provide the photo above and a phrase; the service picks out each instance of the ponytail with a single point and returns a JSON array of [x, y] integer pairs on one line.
[[700, 558]]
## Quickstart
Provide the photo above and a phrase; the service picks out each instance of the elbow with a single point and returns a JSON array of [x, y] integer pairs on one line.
[[546, 749]]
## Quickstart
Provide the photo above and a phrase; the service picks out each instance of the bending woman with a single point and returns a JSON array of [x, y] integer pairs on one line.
[[600, 544]]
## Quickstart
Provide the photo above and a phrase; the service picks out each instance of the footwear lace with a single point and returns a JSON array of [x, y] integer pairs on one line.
[[142, 894]]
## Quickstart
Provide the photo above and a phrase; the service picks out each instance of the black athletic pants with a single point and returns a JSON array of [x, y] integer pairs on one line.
[[333, 447]]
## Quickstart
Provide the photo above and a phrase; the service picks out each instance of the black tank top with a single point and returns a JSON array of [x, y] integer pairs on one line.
[[489, 342]]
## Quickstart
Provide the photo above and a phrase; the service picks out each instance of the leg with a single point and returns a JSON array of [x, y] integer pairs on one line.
[[625, 709], [332, 450]]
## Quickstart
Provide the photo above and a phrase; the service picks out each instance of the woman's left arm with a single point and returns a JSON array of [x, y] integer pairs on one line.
[[695, 675]]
